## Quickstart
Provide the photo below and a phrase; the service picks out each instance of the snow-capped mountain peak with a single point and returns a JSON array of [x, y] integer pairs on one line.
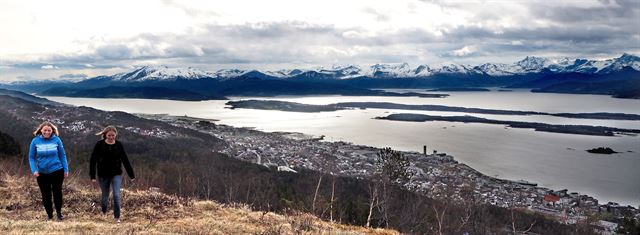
[[229, 73], [391, 70], [283, 73], [454, 68], [344, 71], [626, 60], [530, 64], [566, 61], [423, 70], [496, 69], [149, 73], [401, 66], [533, 63]]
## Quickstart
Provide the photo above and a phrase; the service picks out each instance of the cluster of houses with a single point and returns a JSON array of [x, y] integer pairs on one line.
[[155, 132], [434, 174]]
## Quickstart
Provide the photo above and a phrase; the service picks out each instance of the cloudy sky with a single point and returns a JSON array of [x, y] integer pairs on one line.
[[78, 39]]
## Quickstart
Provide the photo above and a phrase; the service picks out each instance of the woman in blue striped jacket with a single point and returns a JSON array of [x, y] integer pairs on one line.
[[48, 163]]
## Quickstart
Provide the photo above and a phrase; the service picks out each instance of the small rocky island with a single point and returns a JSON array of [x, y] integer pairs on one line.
[[460, 89], [602, 150]]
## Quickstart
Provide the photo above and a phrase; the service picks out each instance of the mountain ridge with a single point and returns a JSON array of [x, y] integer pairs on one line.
[[530, 64], [194, 84]]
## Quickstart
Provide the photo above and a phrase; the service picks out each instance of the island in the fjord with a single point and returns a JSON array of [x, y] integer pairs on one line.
[[282, 106], [299, 107], [459, 89], [566, 129], [602, 150]]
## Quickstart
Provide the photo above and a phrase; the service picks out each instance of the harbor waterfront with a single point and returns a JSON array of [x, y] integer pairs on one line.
[[436, 175], [552, 160]]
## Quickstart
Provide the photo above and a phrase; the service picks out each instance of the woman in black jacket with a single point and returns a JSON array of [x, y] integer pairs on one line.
[[108, 157]]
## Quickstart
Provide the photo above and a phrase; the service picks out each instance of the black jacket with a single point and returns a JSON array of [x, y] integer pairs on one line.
[[109, 159]]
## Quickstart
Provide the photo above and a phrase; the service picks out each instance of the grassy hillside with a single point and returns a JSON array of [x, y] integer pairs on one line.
[[145, 211]]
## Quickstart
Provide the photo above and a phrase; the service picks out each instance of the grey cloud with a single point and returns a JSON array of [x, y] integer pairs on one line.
[[615, 13], [381, 17], [295, 41], [574, 20], [267, 31], [28, 65], [496, 48], [71, 59], [183, 51], [73, 76], [63, 62], [461, 33], [25, 77], [292, 42], [284, 42], [404, 36], [593, 34], [116, 51], [299, 43]]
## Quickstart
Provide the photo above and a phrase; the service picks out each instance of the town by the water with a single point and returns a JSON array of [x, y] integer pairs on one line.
[[434, 174]]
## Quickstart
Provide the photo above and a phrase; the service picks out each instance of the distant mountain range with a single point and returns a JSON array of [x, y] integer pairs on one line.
[[30, 98], [565, 76], [530, 64]]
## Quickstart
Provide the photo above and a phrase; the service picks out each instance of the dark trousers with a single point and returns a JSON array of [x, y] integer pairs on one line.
[[51, 184]]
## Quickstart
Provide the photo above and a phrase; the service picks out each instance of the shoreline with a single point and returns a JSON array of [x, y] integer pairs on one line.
[[543, 127], [287, 106], [356, 161]]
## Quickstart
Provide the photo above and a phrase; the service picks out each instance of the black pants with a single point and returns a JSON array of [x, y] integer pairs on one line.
[[51, 183]]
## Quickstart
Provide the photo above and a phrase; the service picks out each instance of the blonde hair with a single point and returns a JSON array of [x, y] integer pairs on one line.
[[38, 130], [106, 130]]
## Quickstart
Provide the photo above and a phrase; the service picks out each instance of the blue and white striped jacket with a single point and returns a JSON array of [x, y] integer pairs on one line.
[[47, 155]]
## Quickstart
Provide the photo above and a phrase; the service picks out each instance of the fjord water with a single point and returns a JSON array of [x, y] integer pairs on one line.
[[552, 160]]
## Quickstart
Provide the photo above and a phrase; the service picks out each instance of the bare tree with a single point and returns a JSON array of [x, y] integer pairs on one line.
[[230, 186], [326, 166], [315, 195], [513, 225], [440, 216], [333, 191], [469, 200], [391, 167], [373, 195], [445, 195]]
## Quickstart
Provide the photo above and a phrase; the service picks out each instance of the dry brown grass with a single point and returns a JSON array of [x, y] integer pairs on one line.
[[146, 212]]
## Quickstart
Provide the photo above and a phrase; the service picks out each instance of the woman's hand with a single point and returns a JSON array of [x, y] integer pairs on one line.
[[66, 174], [36, 174]]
